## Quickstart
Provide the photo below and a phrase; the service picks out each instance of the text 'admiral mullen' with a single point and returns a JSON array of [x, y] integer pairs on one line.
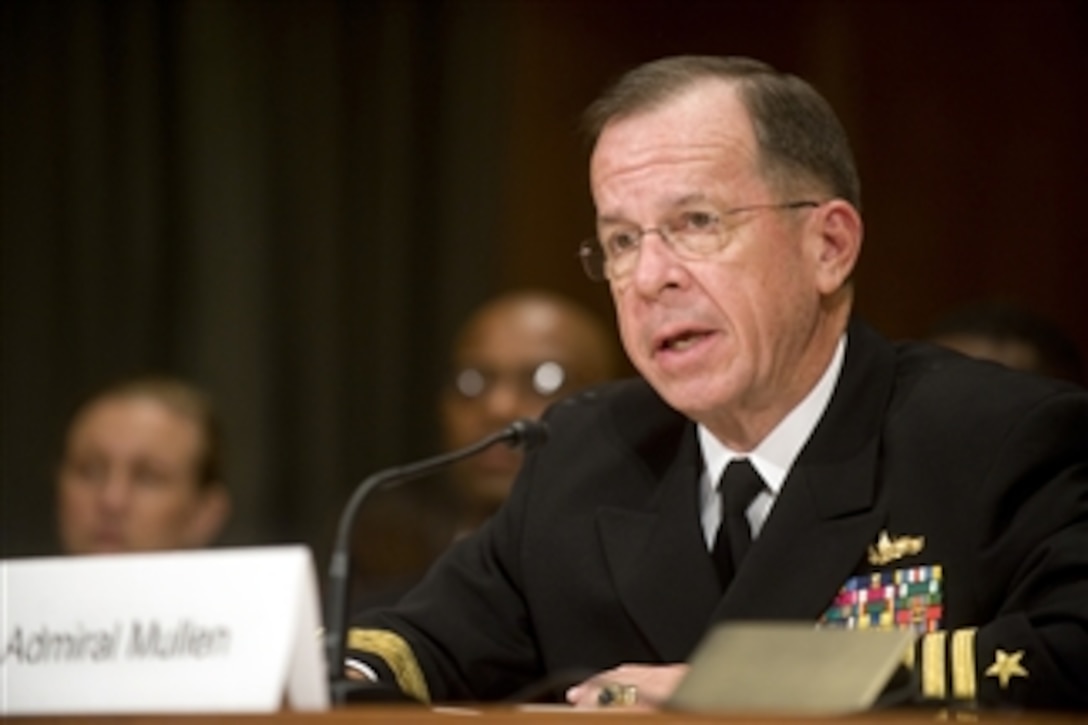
[[145, 640]]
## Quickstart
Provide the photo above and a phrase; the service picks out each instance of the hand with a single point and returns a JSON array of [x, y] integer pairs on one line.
[[633, 687]]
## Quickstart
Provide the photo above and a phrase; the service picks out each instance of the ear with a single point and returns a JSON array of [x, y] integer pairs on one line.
[[839, 233], [210, 517]]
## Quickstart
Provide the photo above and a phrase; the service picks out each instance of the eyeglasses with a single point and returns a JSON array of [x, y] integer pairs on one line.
[[693, 235], [543, 381]]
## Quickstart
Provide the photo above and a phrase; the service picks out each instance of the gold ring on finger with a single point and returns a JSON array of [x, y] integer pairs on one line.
[[617, 695]]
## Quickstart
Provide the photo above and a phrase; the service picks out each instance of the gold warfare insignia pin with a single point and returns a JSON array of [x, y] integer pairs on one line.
[[1007, 666], [886, 549]]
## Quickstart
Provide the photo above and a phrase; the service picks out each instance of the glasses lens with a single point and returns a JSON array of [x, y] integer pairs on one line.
[[548, 378], [470, 383], [592, 256], [543, 380]]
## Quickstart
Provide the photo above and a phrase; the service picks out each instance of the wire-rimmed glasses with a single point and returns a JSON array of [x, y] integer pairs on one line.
[[693, 235]]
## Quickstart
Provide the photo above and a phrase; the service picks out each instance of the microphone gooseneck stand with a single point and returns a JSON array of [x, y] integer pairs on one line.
[[527, 433]]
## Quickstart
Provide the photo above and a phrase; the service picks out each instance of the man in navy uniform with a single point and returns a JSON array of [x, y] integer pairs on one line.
[[887, 485]]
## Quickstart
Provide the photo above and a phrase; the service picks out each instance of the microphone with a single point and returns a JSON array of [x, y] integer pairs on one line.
[[525, 432]]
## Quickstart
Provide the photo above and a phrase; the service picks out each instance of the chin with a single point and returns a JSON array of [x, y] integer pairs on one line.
[[493, 488], [694, 400]]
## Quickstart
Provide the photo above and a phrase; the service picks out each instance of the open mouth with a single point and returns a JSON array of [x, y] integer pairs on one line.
[[682, 341]]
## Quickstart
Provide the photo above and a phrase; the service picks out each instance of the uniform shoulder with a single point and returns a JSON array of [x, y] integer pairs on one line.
[[627, 409], [947, 378]]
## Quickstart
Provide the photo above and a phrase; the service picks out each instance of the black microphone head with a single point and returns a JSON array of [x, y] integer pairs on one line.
[[527, 433]]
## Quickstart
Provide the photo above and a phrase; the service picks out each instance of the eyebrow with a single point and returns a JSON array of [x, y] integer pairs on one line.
[[682, 201]]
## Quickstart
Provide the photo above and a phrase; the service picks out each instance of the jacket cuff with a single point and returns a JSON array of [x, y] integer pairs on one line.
[[390, 658]]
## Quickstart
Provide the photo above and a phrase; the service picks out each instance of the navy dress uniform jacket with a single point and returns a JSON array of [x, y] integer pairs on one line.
[[598, 557]]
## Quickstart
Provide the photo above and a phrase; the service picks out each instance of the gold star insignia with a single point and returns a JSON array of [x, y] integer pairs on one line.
[[1007, 666]]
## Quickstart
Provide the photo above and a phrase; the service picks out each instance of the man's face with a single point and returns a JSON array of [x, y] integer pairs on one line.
[[511, 363], [719, 338], [128, 480]]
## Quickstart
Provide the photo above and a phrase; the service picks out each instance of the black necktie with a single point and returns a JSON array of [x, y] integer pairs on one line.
[[739, 486]]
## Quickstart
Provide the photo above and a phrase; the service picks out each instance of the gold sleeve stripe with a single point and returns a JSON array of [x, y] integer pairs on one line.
[[933, 666], [964, 684], [908, 656], [392, 648]]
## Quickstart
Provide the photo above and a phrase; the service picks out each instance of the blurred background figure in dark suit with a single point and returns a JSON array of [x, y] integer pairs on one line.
[[1012, 335], [141, 470], [513, 356]]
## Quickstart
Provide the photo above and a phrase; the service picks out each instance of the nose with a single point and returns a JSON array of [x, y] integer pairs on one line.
[[114, 491], [504, 402], [656, 266]]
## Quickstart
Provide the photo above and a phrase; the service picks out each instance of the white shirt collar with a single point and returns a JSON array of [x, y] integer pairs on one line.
[[775, 454]]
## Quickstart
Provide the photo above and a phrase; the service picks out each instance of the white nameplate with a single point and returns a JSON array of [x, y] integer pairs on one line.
[[221, 630]]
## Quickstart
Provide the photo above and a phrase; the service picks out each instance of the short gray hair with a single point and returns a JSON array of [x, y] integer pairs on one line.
[[800, 138]]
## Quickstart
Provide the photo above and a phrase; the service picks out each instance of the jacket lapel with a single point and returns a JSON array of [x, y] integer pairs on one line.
[[808, 547], [817, 534], [827, 513], [658, 559]]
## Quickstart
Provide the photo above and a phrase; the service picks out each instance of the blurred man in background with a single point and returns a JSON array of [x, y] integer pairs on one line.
[[141, 470], [514, 356], [1011, 335]]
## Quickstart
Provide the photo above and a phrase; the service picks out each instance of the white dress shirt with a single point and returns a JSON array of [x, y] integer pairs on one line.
[[772, 458]]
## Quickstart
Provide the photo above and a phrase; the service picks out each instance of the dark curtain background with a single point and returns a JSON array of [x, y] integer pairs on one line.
[[294, 203], [290, 202]]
